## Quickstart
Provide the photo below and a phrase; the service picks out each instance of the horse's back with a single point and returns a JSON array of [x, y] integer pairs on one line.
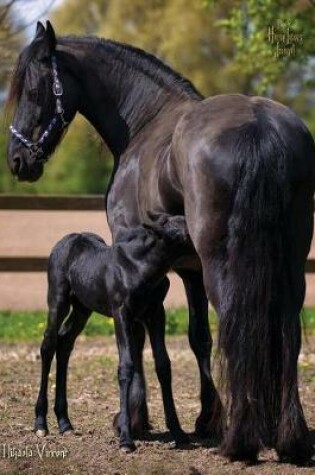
[[213, 121], [224, 137], [207, 136]]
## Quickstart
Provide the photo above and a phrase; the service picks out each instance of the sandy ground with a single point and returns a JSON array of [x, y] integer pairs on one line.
[[93, 400], [33, 233]]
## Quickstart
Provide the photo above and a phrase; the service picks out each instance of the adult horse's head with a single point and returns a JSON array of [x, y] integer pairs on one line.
[[46, 99]]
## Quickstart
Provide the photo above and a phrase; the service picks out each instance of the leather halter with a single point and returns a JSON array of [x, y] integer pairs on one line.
[[35, 148]]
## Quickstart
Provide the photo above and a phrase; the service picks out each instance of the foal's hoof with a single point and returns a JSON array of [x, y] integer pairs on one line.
[[41, 432], [128, 448], [41, 428]]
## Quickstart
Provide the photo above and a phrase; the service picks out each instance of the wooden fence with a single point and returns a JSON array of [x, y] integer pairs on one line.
[[56, 203]]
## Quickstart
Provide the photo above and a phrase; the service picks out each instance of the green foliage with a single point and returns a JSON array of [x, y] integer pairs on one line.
[[27, 326], [308, 317], [221, 46], [10, 40], [259, 55]]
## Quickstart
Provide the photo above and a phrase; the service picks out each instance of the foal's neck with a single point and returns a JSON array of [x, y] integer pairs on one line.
[[123, 88]]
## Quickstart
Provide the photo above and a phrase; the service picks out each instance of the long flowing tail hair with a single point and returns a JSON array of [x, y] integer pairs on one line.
[[257, 285]]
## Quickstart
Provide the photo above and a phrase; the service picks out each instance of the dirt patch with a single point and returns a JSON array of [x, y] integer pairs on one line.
[[93, 400]]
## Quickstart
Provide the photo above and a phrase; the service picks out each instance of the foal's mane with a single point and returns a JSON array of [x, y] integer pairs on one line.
[[135, 58]]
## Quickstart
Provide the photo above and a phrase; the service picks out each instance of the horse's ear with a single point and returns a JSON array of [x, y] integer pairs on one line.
[[40, 31], [50, 32], [45, 40]]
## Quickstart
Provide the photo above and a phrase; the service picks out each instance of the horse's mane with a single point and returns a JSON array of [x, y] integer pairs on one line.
[[137, 59], [19, 74]]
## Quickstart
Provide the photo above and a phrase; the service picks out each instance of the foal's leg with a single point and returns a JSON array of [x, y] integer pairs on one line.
[[210, 422], [58, 310], [124, 340], [156, 327], [68, 333]]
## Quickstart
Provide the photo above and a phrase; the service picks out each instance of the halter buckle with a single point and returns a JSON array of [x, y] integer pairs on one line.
[[57, 89]]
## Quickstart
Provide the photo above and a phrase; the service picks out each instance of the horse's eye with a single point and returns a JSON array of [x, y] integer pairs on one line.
[[33, 94]]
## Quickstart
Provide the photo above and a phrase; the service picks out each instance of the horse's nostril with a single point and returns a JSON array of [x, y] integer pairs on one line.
[[17, 164]]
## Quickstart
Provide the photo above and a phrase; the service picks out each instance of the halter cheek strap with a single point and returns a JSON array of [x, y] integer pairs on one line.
[[35, 148]]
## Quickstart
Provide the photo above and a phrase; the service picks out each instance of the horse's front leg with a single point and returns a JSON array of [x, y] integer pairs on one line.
[[126, 368], [156, 328], [210, 422], [137, 394]]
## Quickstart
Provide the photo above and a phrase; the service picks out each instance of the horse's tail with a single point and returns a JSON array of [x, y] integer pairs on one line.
[[258, 315]]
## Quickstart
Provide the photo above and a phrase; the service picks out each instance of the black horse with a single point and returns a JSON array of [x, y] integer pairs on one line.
[[241, 169], [124, 281]]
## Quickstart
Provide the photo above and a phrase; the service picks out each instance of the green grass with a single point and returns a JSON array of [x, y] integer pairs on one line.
[[28, 326]]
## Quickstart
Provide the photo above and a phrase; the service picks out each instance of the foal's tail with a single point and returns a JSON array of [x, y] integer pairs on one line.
[[259, 319]]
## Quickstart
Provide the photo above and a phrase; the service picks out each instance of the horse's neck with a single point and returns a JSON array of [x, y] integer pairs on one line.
[[120, 100]]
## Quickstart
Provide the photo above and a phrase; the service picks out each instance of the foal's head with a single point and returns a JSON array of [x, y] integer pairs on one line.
[[164, 237], [45, 104]]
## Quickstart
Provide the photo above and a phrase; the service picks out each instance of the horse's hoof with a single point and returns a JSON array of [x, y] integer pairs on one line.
[[65, 427], [128, 448], [302, 458], [68, 433], [182, 438], [241, 454], [209, 431], [41, 432]]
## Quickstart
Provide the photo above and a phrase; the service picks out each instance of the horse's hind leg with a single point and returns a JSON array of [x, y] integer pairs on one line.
[[293, 443], [67, 335], [59, 304], [156, 327], [210, 422]]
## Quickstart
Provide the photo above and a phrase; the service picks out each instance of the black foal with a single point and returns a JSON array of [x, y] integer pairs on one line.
[[125, 281]]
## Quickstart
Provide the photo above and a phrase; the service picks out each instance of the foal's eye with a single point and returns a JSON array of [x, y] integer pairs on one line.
[[33, 94]]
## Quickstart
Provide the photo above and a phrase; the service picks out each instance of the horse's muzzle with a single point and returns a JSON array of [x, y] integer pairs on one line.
[[23, 168]]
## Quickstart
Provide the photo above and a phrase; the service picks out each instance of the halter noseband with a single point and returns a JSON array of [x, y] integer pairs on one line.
[[36, 147]]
